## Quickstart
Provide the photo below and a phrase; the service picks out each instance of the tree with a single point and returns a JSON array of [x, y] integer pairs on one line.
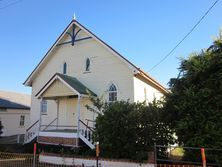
[[194, 105], [129, 130]]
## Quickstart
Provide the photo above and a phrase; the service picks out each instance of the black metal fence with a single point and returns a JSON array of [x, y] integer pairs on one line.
[[178, 156]]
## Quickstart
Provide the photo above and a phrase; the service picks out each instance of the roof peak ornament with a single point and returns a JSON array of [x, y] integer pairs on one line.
[[74, 16]]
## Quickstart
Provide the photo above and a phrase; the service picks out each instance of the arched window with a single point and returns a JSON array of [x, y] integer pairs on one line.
[[112, 93], [87, 64], [64, 68]]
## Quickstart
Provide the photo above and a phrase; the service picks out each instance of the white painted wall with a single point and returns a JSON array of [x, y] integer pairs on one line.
[[139, 93], [105, 69], [89, 162], [11, 121]]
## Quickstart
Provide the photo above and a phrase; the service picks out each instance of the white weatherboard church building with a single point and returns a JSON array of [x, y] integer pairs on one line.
[[79, 65]]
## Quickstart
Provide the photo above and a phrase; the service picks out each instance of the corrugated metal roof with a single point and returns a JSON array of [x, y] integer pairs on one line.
[[4, 103], [76, 84], [20, 98]]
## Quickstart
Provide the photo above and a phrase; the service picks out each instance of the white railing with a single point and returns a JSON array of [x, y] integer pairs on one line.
[[31, 132], [86, 134]]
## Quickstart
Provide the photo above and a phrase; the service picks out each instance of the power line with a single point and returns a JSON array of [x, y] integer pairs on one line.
[[192, 29], [11, 4]]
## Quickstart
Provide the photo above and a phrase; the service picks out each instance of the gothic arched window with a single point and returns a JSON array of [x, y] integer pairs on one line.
[[112, 93]]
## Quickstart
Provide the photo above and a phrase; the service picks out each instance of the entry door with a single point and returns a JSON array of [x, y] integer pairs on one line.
[[67, 113], [62, 118], [71, 112]]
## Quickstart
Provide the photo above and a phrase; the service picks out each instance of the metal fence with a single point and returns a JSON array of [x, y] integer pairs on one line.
[[178, 156], [27, 160]]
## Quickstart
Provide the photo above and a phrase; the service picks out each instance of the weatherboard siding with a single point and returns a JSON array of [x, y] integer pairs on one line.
[[57, 89], [11, 121], [105, 69], [139, 91]]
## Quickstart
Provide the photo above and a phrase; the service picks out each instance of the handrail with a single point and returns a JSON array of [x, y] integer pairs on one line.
[[50, 123], [59, 126], [90, 120], [32, 125], [86, 126]]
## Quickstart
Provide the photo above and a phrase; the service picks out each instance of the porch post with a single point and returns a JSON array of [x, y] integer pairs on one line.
[[57, 108], [78, 114], [40, 118]]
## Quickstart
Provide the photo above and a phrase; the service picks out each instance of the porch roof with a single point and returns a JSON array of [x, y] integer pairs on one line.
[[70, 82]]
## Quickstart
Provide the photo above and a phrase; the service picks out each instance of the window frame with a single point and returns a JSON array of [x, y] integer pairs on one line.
[[44, 107], [87, 65], [22, 120], [64, 68], [112, 94]]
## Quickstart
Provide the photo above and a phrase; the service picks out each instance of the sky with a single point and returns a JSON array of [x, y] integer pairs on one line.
[[143, 31]]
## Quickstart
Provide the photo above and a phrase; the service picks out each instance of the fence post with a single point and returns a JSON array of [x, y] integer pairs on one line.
[[34, 155], [203, 157], [155, 155], [97, 154]]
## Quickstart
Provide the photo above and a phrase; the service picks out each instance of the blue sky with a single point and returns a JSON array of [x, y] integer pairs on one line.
[[143, 31]]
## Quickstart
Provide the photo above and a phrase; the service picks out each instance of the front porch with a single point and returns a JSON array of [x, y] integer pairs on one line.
[[67, 121]]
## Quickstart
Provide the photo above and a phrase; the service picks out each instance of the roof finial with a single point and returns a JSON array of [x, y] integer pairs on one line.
[[74, 16]]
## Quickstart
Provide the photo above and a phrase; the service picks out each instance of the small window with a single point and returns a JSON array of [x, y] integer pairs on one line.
[[65, 68], [43, 106], [112, 93], [87, 65], [22, 120]]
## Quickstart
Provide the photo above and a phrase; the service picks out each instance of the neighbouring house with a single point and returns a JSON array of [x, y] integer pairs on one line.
[[77, 66], [14, 112]]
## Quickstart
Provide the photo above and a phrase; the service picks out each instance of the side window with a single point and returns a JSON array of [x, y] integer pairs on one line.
[[112, 93], [65, 68], [22, 120], [44, 107], [87, 66]]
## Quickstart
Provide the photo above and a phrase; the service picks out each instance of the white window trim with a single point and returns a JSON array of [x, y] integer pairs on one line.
[[117, 91], [44, 106], [22, 121], [66, 68], [90, 65]]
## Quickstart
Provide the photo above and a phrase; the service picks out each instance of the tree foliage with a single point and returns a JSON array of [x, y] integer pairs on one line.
[[129, 130], [194, 105]]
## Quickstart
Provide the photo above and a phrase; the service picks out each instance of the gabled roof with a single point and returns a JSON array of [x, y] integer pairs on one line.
[[134, 68], [74, 84], [4, 103]]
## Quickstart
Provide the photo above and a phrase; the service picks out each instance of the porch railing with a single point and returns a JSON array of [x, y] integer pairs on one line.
[[58, 127], [86, 131], [31, 132], [46, 126], [53, 126]]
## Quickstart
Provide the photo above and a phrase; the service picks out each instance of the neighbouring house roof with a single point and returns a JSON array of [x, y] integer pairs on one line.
[[14, 97], [137, 71], [73, 83], [4, 103]]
